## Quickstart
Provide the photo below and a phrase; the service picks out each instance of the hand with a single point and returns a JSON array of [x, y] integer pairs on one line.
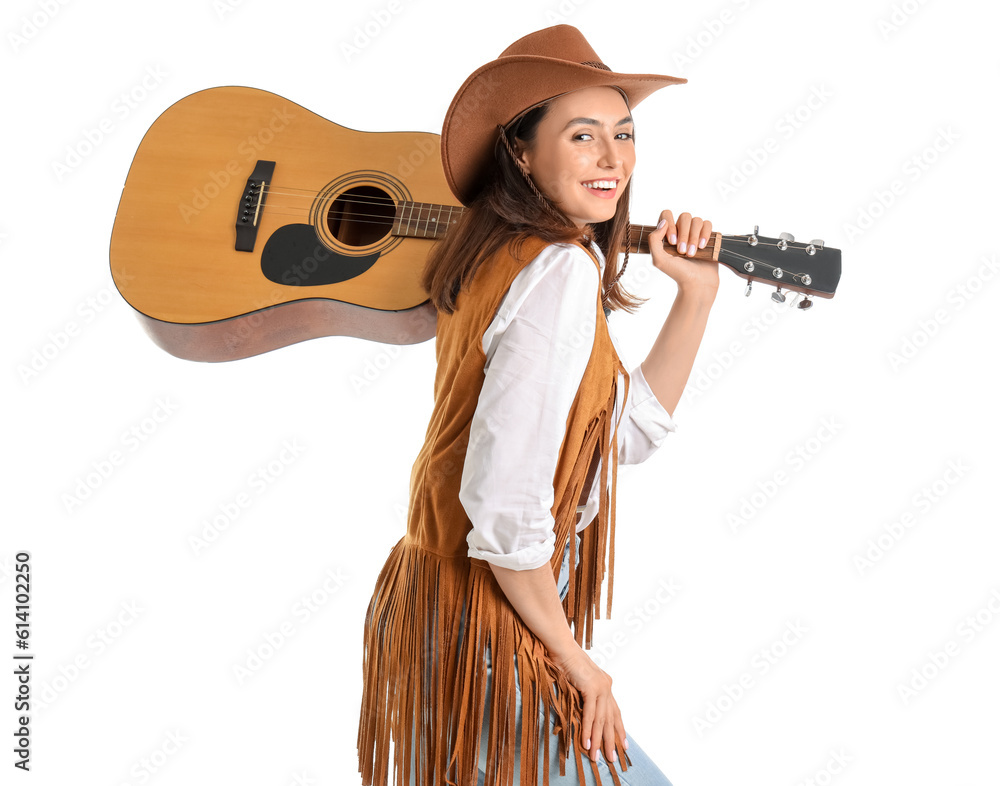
[[602, 720], [687, 235]]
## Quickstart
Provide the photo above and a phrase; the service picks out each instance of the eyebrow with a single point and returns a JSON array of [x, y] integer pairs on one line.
[[589, 121]]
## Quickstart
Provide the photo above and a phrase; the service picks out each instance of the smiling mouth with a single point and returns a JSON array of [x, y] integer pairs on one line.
[[600, 185], [602, 189]]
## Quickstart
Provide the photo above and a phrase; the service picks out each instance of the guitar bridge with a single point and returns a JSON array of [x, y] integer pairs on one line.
[[251, 205]]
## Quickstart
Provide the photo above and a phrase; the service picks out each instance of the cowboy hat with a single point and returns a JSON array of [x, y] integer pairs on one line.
[[532, 70]]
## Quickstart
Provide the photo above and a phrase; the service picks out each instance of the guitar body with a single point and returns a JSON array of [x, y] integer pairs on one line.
[[324, 259]]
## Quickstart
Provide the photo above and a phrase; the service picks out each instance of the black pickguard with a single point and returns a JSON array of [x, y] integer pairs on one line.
[[294, 256]]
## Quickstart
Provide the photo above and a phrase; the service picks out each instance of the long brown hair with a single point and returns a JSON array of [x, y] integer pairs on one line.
[[509, 209]]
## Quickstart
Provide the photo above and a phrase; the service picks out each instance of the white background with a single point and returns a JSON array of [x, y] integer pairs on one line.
[[137, 640]]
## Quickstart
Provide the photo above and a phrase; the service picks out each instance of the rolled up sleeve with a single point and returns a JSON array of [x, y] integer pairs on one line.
[[646, 422], [540, 344]]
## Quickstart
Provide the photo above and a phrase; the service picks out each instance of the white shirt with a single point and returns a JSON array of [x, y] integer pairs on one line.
[[537, 349]]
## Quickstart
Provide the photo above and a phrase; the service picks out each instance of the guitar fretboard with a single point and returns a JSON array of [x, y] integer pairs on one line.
[[423, 219]]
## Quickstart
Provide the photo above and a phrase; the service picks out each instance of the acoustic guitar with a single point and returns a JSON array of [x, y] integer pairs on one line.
[[248, 223]]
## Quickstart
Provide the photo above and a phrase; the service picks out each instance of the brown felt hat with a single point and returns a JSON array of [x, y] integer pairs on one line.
[[542, 65]]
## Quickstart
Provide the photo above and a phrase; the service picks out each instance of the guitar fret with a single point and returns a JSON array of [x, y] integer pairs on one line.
[[400, 207], [408, 219]]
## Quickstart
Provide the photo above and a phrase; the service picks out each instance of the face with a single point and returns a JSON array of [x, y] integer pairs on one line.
[[583, 153]]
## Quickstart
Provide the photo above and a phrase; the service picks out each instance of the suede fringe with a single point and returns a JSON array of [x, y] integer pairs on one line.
[[414, 618]]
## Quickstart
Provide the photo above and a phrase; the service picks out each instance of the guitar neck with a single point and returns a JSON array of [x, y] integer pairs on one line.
[[638, 242], [425, 220]]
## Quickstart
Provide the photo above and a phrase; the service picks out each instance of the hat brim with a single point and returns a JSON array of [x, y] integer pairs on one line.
[[497, 92]]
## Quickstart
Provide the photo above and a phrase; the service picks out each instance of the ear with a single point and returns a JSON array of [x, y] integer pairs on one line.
[[521, 153]]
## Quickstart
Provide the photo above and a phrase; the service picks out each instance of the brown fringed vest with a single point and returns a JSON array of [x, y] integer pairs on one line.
[[424, 673]]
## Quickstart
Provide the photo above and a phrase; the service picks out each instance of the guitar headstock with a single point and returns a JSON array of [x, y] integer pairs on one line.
[[812, 268]]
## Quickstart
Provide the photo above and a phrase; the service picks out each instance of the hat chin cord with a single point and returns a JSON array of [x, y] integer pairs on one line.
[[531, 183]]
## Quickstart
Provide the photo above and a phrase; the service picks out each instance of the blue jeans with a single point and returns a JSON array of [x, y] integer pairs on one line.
[[642, 771]]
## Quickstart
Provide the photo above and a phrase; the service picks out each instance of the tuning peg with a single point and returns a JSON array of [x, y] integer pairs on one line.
[[749, 285], [752, 240], [805, 303], [777, 297], [813, 247], [784, 239]]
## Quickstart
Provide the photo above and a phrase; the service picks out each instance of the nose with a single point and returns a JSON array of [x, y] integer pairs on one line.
[[610, 156]]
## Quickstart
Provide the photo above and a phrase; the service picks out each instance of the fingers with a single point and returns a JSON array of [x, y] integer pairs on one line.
[[614, 730], [599, 733], [688, 233], [601, 724], [706, 233], [608, 738], [587, 729], [620, 731], [602, 727], [668, 230], [683, 227]]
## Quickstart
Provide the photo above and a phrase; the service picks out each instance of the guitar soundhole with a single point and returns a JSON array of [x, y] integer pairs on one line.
[[361, 215]]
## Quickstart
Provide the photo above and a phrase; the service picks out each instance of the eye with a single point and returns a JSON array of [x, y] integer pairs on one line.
[[626, 135], [581, 136]]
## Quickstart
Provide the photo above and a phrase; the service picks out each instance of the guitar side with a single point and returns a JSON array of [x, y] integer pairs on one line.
[[173, 255]]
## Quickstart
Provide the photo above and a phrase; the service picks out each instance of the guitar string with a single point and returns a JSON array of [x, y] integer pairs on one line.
[[377, 201], [431, 208], [374, 200], [389, 222], [420, 208]]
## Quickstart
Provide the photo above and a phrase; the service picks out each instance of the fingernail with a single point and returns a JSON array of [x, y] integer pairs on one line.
[[586, 743], [663, 223], [626, 744], [614, 755], [702, 242], [673, 238], [682, 247]]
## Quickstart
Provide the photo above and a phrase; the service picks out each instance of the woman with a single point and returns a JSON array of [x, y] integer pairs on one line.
[[481, 608]]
